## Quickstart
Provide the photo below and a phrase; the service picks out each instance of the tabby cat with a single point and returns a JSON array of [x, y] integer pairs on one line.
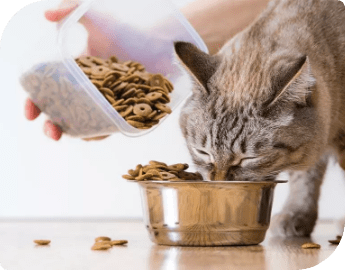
[[272, 100]]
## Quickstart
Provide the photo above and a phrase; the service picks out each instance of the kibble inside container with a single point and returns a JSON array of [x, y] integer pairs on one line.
[[140, 97]]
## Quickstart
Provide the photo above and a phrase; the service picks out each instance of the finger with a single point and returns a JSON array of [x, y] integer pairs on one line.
[[55, 15], [31, 110], [96, 138], [52, 131]]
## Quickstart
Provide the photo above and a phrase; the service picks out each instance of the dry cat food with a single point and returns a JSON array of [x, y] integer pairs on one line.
[[138, 96], [311, 246], [102, 238], [42, 242], [160, 171], [336, 241], [104, 243]]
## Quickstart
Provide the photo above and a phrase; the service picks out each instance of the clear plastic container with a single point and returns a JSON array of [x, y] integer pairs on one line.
[[142, 31]]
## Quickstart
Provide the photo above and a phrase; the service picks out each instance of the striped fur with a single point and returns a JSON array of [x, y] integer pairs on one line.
[[271, 99]]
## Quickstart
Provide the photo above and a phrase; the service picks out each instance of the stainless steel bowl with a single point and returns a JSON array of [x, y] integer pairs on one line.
[[217, 213]]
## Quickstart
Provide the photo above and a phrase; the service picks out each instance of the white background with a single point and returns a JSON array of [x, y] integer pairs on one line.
[[40, 178]]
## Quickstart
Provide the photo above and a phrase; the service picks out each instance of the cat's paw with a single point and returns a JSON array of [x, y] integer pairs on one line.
[[293, 224]]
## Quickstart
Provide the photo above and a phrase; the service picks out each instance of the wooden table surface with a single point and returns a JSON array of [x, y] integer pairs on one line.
[[71, 242]]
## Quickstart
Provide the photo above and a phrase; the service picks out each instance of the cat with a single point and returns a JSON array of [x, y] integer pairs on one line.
[[271, 100]]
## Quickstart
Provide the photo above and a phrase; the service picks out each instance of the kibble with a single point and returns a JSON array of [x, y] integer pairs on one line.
[[42, 242], [311, 246], [100, 246], [128, 83], [118, 242], [336, 241], [102, 238]]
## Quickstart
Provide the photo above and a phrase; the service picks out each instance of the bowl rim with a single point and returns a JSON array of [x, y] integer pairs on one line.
[[147, 182]]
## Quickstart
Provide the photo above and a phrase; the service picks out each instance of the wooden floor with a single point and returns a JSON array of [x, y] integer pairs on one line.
[[71, 243]]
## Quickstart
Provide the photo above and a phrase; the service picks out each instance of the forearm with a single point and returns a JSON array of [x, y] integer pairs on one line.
[[217, 21]]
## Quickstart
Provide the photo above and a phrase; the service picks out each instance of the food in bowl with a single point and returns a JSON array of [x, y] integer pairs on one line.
[[182, 209], [160, 171]]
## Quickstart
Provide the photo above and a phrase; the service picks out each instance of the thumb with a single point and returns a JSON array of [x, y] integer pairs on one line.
[[55, 15]]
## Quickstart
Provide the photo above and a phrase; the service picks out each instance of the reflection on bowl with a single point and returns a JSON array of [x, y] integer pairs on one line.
[[204, 213]]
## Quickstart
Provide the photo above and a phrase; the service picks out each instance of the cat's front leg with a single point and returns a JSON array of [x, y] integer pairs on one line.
[[300, 211]]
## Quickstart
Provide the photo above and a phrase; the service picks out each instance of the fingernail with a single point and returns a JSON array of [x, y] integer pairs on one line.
[[47, 131]]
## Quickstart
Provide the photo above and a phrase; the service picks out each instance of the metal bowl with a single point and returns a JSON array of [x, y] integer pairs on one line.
[[218, 213]]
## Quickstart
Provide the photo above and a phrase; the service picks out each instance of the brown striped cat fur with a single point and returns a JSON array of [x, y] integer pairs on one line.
[[272, 100]]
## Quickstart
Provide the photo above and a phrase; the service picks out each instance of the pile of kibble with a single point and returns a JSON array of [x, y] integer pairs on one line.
[[159, 171], [104, 243]]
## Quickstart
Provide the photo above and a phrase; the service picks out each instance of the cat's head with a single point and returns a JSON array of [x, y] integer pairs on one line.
[[248, 119]]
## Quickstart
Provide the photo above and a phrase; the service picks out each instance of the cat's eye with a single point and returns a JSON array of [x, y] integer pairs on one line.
[[248, 158], [203, 155], [243, 161], [201, 152], [239, 163]]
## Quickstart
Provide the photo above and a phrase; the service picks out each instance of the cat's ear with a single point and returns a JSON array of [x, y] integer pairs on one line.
[[200, 65], [291, 82]]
